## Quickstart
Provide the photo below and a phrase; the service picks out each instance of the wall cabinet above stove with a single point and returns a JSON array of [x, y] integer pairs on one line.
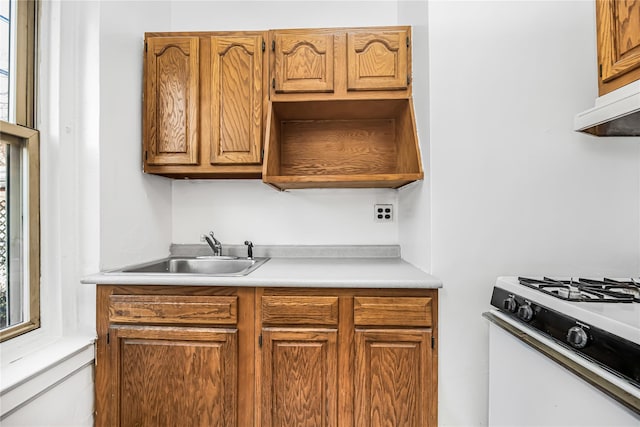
[[618, 31]]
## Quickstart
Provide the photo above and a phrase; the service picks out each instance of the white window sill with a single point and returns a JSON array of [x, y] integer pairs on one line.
[[25, 378]]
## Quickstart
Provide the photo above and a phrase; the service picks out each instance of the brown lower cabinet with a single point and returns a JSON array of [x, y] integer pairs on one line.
[[226, 356]]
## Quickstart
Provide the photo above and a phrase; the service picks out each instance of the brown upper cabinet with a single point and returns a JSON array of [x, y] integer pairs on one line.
[[378, 60], [204, 104], [172, 107], [618, 31], [303, 62], [340, 63], [332, 107], [340, 111]]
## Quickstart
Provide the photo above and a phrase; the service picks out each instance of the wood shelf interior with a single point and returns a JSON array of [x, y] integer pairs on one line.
[[344, 143]]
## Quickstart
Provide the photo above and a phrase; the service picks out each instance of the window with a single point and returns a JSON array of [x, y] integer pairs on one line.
[[19, 171]]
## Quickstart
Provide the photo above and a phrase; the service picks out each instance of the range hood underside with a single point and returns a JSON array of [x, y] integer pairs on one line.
[[615, 114], [628, 125]]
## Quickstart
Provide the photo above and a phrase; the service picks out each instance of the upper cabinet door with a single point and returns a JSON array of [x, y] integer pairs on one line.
[[303, 62], [377, 60], [171, 101], [236, 99], [618, 24]]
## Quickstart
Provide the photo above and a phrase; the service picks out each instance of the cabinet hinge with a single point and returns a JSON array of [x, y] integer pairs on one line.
[[273, 45], [433, 342], [600, 70], [108, 338], [273, 83], [145, 46], [408, 80], [407, 41], [146, 155], [260, 340], [263, 46], [262, 154]]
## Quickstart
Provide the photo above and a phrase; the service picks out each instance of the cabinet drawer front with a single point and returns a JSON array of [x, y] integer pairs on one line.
[[171, 309], [285, 310], [392, 311]]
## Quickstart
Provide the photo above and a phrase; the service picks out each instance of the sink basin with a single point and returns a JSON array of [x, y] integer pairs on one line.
[[212, 266]]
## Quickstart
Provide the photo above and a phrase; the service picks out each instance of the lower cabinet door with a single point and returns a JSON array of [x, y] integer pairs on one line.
[[299, 371], [174, 376], [392, 377]]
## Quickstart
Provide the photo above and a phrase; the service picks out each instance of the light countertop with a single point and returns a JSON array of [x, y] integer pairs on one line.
[[323, 271]]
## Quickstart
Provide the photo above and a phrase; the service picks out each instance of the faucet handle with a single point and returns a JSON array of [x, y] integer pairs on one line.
[[249, 248], [213, 243]]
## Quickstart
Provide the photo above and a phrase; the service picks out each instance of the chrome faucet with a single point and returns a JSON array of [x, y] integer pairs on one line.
[[213, 243]]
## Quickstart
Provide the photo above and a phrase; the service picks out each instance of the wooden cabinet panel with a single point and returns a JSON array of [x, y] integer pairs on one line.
[[618, 25], [303, 62], [299, 371], [236, 107], [333, 136], [173, 309], [174, 376], [377, 60], [207, 109], [392, 377], [171, 114], [204, 104], [293, 356], [293, 310], [392, 311]]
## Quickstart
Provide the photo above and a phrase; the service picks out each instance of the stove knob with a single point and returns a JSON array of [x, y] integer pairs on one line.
[[510, 304], [525, 312], [577, 337]]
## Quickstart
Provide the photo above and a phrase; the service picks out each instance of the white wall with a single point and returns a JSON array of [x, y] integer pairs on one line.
[[66, 404], [265, 15], [135, 210], [415, 200], [514, 191], [240, 210]]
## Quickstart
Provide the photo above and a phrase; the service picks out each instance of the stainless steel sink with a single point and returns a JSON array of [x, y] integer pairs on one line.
[[211, 266]]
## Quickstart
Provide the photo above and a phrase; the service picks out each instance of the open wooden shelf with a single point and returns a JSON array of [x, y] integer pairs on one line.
[[341, 144]]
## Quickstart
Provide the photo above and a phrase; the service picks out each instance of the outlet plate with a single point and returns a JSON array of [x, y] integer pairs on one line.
[[383, 213]]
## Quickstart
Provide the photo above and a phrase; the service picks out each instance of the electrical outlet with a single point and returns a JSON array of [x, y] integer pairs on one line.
[[383, 213]]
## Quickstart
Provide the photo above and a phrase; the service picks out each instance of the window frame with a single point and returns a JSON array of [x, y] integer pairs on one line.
[[29, 139], [26, 35], [23, 132]]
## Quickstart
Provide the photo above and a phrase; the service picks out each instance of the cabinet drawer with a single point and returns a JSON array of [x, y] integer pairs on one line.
[[392, 311], [286, 310], [172, 309]]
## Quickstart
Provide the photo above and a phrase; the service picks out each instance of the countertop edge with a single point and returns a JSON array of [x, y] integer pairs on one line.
[[103, 279], [319, 272]]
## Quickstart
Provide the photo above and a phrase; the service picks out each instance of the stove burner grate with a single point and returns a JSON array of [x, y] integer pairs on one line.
[[587, 290]]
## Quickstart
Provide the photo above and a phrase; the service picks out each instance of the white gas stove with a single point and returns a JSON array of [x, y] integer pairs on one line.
[[590, 327]]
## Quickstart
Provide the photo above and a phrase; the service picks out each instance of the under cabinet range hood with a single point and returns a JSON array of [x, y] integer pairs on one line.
[[616, 113]]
